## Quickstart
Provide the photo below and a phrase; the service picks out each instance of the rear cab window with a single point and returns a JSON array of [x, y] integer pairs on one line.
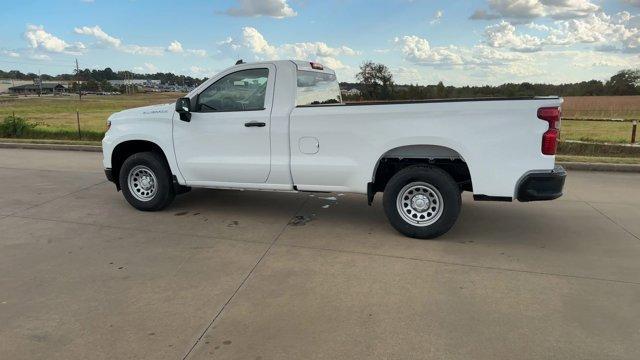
[[317, 88]]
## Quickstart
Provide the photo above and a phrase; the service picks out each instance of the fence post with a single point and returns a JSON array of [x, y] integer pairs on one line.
[[78, 120], [633, 131]]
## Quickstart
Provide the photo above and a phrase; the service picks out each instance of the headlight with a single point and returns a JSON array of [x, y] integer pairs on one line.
[[108, 125]]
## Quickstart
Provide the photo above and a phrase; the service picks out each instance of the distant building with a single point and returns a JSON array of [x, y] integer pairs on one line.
[[135, 82], [351, 92], [34, 89], [5, 84]]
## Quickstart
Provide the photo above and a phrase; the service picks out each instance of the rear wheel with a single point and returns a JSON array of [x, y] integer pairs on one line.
[[146, 183], [422, 202]]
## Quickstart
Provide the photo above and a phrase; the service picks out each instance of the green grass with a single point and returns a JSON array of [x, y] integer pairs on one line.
[[49, 141], [597, 131], [56, 116], [595, 159]]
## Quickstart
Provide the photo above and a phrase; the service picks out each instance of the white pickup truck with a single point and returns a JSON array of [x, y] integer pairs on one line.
[[282, 126]]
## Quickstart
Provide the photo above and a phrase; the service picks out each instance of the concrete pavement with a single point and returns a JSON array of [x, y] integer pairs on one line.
[[258, 275]]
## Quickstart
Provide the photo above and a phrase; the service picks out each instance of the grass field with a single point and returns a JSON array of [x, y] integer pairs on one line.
[[56, 116], [597, 131]]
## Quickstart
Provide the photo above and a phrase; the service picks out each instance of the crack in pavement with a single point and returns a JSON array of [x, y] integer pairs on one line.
[[58, 198], [485, 267], [273, 242], [613, 221]]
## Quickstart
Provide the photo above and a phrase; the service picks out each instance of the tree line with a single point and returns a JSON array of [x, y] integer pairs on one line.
[[375, 82], [97, 79]]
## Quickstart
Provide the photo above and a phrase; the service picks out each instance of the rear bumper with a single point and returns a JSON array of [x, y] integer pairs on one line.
[[540, 186]]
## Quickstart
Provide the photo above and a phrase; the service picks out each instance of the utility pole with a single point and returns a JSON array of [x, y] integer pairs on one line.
[[39, 84], [126, 82], [77, 81]]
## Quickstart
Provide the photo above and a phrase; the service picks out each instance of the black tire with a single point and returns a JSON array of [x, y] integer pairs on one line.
[[416, 177], [163, 192]]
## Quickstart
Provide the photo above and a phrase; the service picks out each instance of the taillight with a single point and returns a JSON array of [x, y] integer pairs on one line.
[[550, 138], [316, 66]]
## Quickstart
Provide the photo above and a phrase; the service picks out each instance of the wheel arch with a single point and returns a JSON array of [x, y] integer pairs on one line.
[[127, 148], [400, 157]]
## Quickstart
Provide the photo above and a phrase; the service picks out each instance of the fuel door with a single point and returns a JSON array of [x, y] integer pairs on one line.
[[309, 145]]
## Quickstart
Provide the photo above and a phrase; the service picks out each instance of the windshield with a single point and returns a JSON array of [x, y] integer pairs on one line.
[[317, 88]]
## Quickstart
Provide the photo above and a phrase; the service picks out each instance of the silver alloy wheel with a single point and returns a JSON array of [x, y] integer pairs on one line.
[[142, 183], [420, 204]]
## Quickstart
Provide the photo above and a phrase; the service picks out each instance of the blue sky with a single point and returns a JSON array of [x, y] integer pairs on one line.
[[422, 41]]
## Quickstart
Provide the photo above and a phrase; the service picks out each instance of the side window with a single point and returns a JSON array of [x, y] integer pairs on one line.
[[240, 91]]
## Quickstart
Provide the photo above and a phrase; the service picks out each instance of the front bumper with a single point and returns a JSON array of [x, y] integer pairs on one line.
[[540, 186]]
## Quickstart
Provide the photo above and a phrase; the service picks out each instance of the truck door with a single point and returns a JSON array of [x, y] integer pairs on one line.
[[227, 139]]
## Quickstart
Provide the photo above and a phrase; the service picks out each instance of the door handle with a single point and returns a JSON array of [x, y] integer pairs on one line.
[[255, 124]]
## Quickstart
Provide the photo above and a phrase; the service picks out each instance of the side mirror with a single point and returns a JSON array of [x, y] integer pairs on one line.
[[183, 107]]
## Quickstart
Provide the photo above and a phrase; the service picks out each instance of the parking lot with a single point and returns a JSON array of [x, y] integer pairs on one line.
[[261, 275]]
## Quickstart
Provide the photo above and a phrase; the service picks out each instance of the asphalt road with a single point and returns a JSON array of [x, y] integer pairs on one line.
[[258, 275]]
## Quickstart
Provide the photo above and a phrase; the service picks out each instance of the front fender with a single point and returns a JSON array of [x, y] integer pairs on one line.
[[157, 132]]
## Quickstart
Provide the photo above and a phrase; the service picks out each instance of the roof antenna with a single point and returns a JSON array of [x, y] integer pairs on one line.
[[239, 62]]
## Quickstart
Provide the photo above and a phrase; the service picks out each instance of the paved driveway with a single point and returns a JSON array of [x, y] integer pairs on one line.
[[258, 275]]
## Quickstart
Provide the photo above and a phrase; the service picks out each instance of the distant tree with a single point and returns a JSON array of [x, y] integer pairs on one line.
[[625, 82], [441, 91], [376, 81]]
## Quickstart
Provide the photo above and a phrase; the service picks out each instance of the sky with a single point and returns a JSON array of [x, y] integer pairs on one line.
[[472, 42]]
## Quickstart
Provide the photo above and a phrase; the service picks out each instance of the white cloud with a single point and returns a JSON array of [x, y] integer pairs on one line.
[[12, 54], [99, 34], [142, 50], [257, 44], [175, 47], [316, 51], [40, 57], [197, 52], [199, 71], [538, 27], [419, 51], [331, 62], [531, 9], [308, 50], [115, 43], [504, 35], [604, 32], [151, 67], [273, 8], [148, 68], [38, 38], [437, 17], [633, 2], [229, 43]]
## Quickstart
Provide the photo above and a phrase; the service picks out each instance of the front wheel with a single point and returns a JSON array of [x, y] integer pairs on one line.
[[146, 182], [422, 202]]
